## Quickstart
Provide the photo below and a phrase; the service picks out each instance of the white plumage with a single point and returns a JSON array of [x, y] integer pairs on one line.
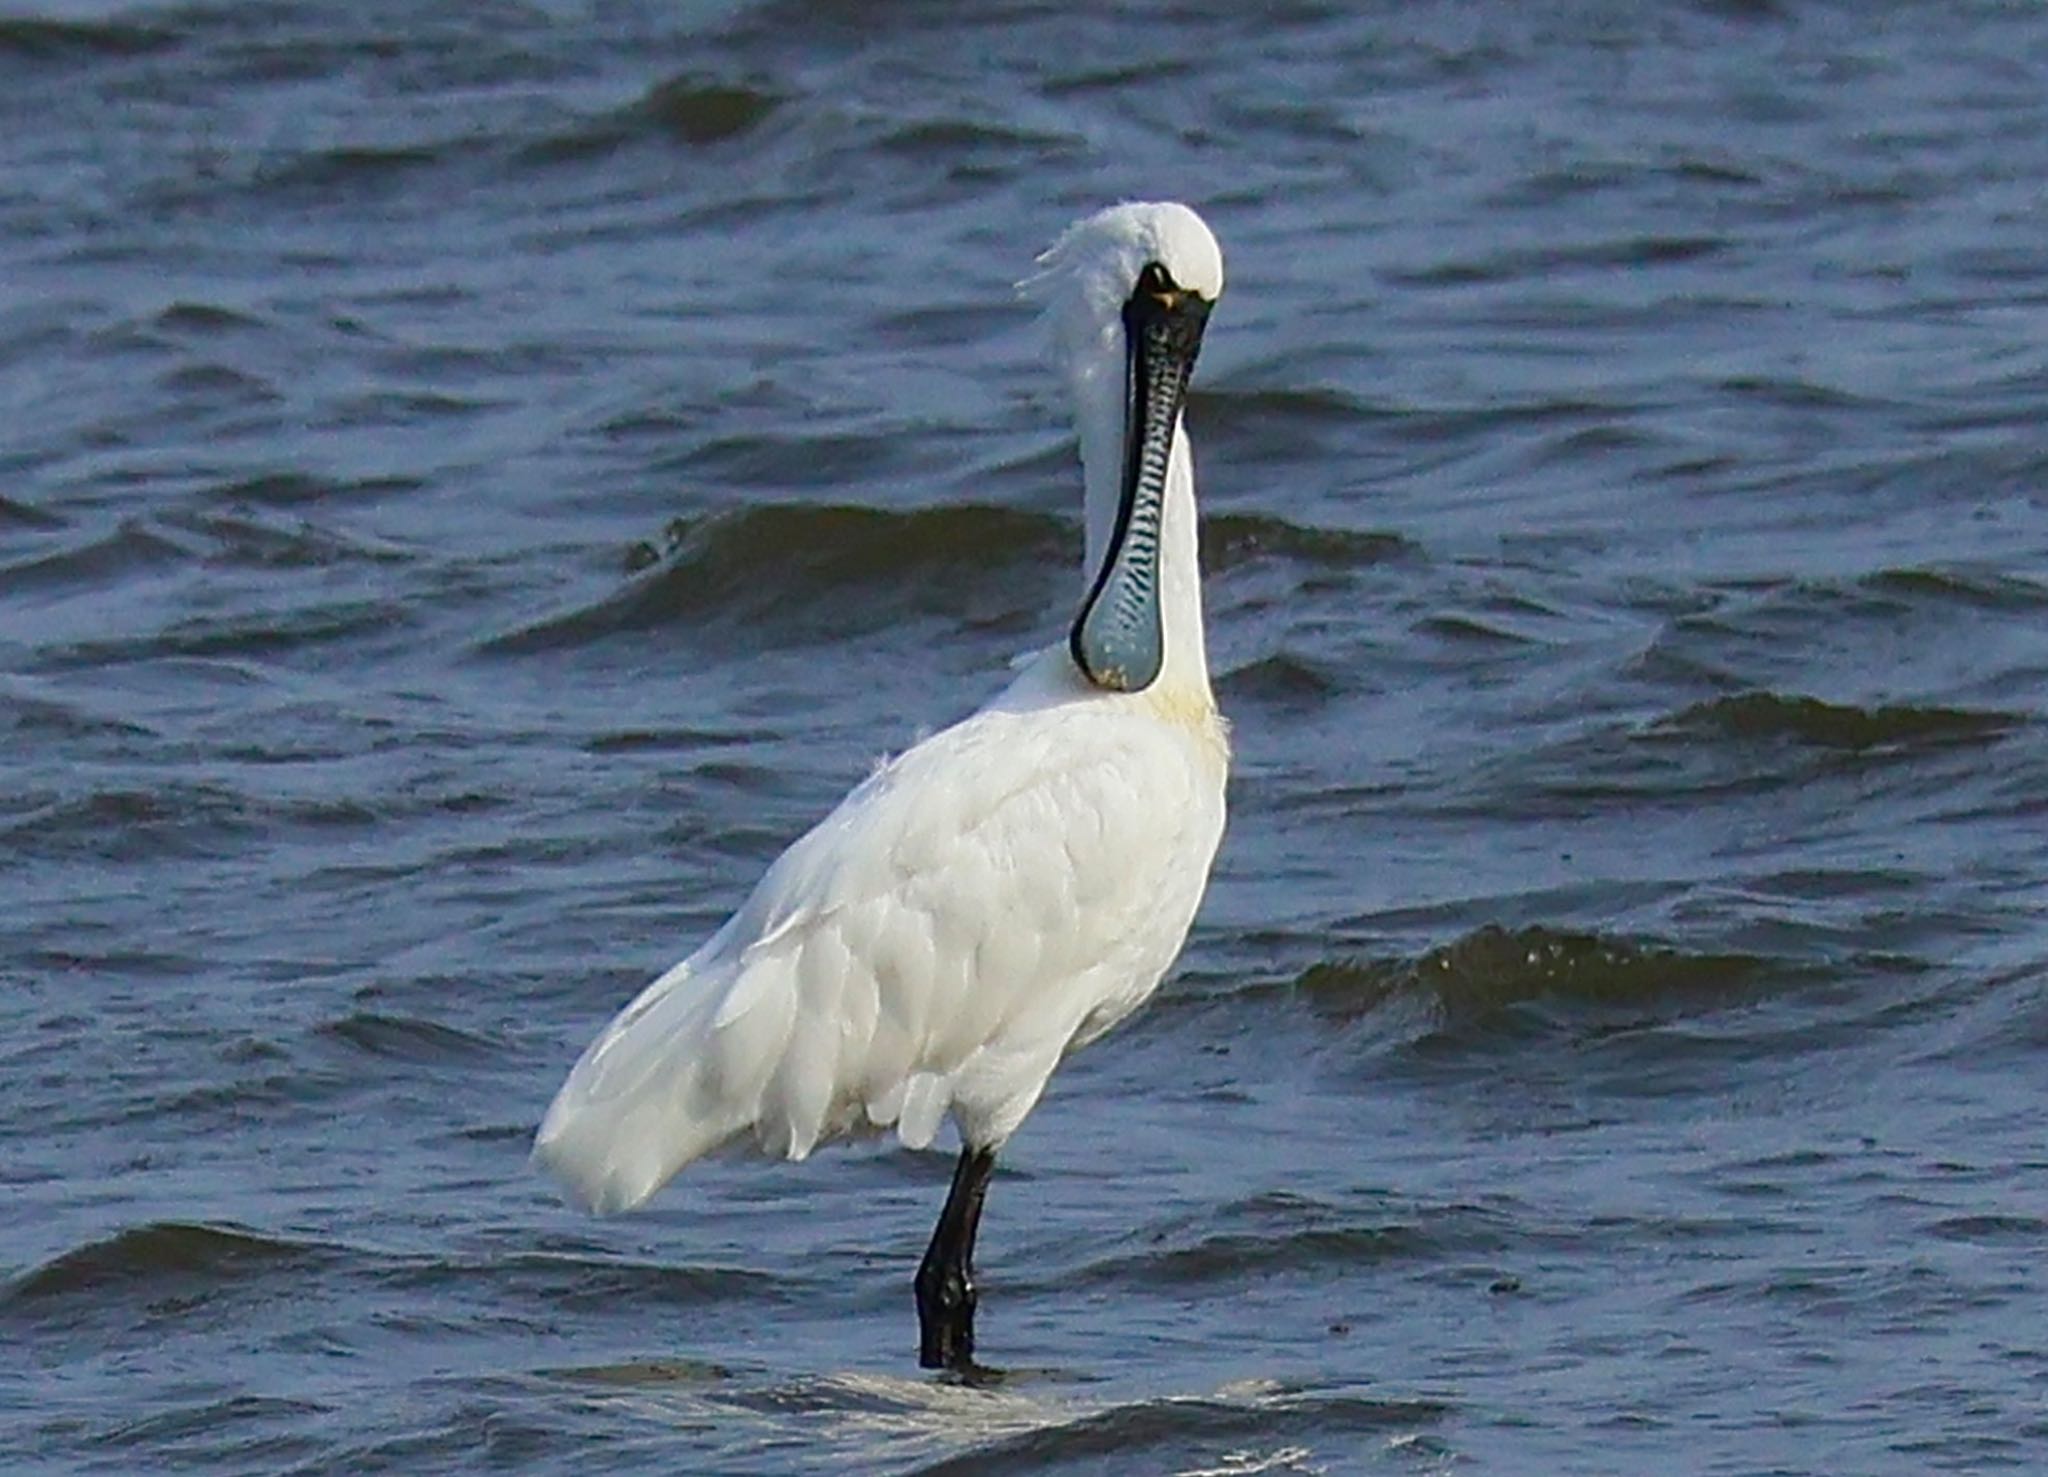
[[1001, 893], [1007, 889]]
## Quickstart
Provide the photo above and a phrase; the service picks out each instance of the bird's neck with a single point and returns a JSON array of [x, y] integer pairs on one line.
[[1100, 402]]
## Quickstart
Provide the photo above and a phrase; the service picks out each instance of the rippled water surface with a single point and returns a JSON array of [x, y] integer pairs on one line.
[[476, 480]]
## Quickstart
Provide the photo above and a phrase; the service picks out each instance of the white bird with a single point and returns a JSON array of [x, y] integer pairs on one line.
[[1003, 892]]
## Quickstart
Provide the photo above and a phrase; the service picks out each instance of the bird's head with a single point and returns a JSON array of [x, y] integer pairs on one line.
[[1129, 290]]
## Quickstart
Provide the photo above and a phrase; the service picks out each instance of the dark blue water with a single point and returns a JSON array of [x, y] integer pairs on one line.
[[475, 482]]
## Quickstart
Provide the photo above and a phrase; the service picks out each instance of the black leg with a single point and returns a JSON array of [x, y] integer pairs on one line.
[[945, 1283]]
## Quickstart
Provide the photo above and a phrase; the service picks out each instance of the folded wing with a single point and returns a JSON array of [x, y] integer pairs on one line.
[[933, 945]]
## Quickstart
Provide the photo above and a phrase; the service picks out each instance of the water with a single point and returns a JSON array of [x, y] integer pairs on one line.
[[475, 482]]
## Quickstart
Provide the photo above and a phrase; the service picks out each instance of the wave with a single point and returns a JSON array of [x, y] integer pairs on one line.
[[1482, 976], [296, 489], [1513, 264], [136, 548], [260, 634], [1470, 630], [689, 108], [187, 820], [699, 111], [1148, 1435], [26, 515], [44, 39], [1809, 720], [2026, 1232], [793, 572], [261, 543], [1232, 539], [1222, 408], [954, 142], [406, 1038], [1737, 744], [1987, 589], [174, 820], [263, 1431], [1775, 633], [801, 571], [1310, 427], [588, 1283], [1015, 1421], [1283, 1231], [326, 170], [141, 1262], [125, 550], [203, 320], [1282, 682]]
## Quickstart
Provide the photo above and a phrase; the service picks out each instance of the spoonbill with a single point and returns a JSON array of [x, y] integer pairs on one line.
[[1003, 892]]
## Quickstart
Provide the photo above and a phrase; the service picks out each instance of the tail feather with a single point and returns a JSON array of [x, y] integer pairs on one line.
[[663, 1085]]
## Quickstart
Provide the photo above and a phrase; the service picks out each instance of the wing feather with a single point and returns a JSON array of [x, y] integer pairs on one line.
[[933, 944]]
